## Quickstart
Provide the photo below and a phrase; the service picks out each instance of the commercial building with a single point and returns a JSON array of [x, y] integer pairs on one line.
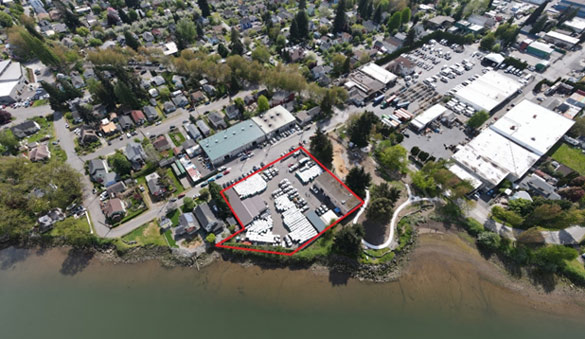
[[489, 92], [228, 143], [337, 194], [511, 146], [560, 39], [540, 49], [579, 4], [577, 25], [533, 126], [370, 80], [274, 121], [493, 158], [425, 118], [11, 81]]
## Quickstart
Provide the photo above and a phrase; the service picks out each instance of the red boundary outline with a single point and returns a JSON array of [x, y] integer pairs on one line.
[[221, 245]]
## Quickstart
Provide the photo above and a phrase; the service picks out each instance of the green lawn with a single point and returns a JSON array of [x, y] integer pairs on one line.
[[169, 235], [41, 102], [70, 227], [571, 157], [46, 129], [174, 216], [147, 234], [179, 188], [177, 137], [130, 215]]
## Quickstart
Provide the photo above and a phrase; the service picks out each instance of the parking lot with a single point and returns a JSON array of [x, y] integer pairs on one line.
[[440, 144]]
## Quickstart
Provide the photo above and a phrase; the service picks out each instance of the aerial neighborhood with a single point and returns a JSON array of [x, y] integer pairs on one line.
[[295, 128]]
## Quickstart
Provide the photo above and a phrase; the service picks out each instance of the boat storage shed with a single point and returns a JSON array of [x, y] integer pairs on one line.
[[428, 116], [489, 91], [227, 143]]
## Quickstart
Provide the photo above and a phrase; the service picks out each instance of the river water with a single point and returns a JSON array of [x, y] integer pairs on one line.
[[447, 291]]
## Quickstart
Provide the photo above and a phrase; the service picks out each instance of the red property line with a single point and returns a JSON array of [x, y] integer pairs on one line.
[[303, 245]]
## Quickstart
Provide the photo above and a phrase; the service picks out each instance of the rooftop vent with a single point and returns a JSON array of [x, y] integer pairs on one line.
[[534, 116], [533, 139], [512, 127]]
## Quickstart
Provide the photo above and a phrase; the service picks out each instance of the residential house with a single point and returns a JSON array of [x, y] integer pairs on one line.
[[205, 130], [169, 107], [150, 112], [88, 136], [39, 153], [216, 120], [117, 188], [281, 97], [47, 221], [193, 132], [440, 22], [207, 219], [138, 117], [180, 100], [147, 37], [295, 53], [77, 81], [401, 66], [209, 89], [26, 128], [97, 170], [305, 117], [158, 80], [177, 81], [197, 97], [161, 143], [187, 225], [232, 112], [114, 210], [108, 127], [135, 153], [154, 186], [125, 122], [245, 23]]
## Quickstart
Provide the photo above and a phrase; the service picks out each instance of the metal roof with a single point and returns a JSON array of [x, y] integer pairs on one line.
[[223, 143]]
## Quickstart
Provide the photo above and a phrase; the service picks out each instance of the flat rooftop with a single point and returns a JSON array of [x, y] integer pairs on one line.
[[273, 119], [534, 127], [224, 142], [378, 73], [492, 157], [432, 113], [488, 91], [339, 195]]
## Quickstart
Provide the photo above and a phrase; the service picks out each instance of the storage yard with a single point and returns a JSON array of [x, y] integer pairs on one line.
[[288, 203]]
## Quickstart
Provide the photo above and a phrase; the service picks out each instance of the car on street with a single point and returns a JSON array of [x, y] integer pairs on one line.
[[180, 196], [203, 184], [218, 176]]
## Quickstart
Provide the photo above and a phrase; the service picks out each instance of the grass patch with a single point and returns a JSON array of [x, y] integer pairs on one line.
[[575, 271], [46, 130], [376, 257], [571, 157], [174, 217], [70, 227], [147, 234], [41, 102], [130, 216], [169, 235], [178, 187], [177, 137]]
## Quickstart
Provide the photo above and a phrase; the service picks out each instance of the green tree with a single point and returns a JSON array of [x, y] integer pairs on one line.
[[338, 61], [488, 41], [358, 180], [383, 190], [377, 18], [263, 104], [83, 31], [477, 119], [261, 54], [5, 19], [359, 129], [188, 204], [222, 50], [236, 44], [380, 210], [126, 96], [186, 32], [131, 40], [223, 209], [340, 21], [8, 142], [204, 7], [322, 148], [395, 21], [489, 240], [551, 258], [536, 14], [348, 240], [120, 164], [393, 158], [405, 16], [210, 238]]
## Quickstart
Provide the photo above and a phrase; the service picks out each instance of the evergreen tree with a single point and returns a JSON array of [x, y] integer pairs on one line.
[[236, 44], [358, 180], [405, 16], [410, 37], [294, 34], [204, 7], [395, 21], [377, 15], [322, 148], [348, 241], [222, 50], [536, 14], [302, 4], [131, 41], [340, 21], [302, 25], [125, 96]]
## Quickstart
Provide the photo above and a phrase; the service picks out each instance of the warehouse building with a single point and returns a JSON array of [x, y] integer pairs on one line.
[[532, 126], [227, 143], [489, 92], [560, 39], [369, 80], [539, 49], [425, 118], [275, 120], [11, 81], [511, 146]]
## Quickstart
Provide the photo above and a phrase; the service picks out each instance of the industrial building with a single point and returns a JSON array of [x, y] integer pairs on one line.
[[489, 92], [578, 4], [425, 118], [274, 121], [11, 81], [539, 49], [511, 146], [560, 39], [369, 80], [533, 126], [228, 143]]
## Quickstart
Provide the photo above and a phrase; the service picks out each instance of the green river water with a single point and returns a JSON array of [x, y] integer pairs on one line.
[[52, 295]]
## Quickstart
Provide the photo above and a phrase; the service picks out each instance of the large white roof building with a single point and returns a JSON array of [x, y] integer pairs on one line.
[[422, 120], [11, 81], [274, 120], [489, 91], [378, 73], [533, 126]]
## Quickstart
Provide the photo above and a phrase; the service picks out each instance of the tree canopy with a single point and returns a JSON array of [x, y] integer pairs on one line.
[[322, 148], [393, 158], [348, 240], [358, 180]]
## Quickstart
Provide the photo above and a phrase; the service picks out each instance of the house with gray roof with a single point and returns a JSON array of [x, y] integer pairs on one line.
[[207, 219], [205, 130], [216, 120], [150, 112], [135, 153]]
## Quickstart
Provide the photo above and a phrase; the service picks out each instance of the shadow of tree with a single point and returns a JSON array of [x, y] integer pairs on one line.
[[75, 262], [11, 256], [338, 278], [546, 280]]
